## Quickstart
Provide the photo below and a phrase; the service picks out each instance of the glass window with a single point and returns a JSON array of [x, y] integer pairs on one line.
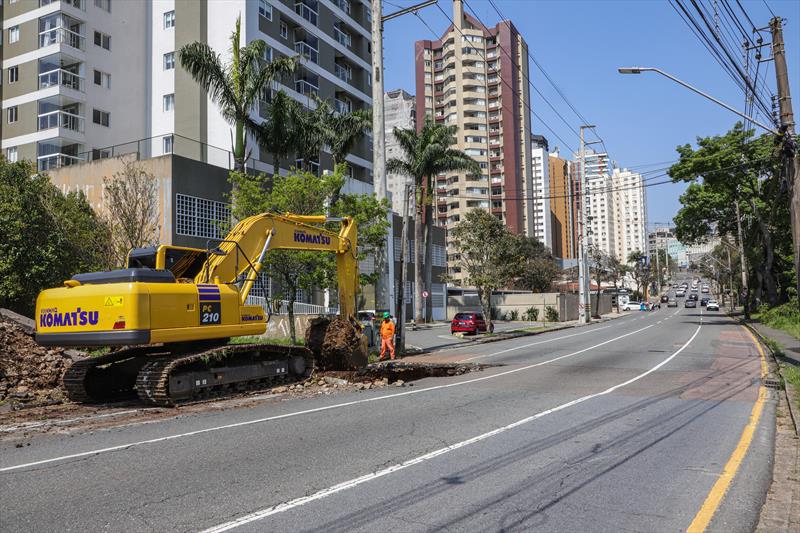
[[13, 74], [169, 61], [265, 9], [101, 117], [13, 34], [169, 19], [102, 79], [11, 154], [169, 102], [199, 217], [12, 114], [168, 140], [284, 30], [105, 5], [102, 40]]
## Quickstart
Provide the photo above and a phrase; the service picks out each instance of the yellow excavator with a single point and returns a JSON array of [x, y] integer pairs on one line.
[[169, 315]]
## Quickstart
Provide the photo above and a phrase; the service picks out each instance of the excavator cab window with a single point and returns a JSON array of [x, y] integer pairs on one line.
[[182, 262]]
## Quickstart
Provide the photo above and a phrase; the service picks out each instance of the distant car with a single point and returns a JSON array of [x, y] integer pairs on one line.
[[632, 306], [694, 289], [693, 296], [468, 323], [680, 294], [672, 302], [704, 290], [712, 305], [664, 298], [690, 303], [704, 300]]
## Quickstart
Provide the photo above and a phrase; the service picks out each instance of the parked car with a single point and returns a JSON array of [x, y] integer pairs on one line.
[[632, 306], [690, 303], [672, 302], [712, 305], [704, 300], [468, 323]]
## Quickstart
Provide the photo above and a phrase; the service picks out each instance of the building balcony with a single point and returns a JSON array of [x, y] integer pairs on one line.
[[305, 88], [307, 51], [344, 5], [61, 78], [342, 106], [343, 72], [342, 38], [62, 35], [58, 160], [61, 119], [307, 12]]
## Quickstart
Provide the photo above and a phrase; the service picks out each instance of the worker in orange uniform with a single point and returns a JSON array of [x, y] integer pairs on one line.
[[387, 336]]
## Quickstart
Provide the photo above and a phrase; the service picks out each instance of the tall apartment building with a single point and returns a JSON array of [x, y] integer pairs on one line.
[[87, 80], [540, 191], [400, 111], [562, 212], [629, 209], [598, 199], [473, 77]]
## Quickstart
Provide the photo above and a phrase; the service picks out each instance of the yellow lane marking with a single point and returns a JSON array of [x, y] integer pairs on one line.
[[714, 498]]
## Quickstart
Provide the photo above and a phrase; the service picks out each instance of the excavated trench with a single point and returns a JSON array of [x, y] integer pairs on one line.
[[405, 371]]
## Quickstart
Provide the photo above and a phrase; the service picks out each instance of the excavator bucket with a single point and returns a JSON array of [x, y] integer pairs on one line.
[[337, 344]]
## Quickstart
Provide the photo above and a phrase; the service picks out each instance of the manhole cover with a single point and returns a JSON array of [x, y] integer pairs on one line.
[[771, 383]]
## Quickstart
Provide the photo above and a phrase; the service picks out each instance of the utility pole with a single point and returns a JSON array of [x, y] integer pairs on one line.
[[730, 274], [401, 303], [741, 254], [584, 306], [791, 163]]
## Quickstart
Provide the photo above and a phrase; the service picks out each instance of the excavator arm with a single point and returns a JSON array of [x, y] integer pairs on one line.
[[238, 258]]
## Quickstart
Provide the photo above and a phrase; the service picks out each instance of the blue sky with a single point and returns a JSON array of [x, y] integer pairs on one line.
[[581, 43]]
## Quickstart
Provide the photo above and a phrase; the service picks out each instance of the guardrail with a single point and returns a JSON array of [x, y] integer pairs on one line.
[[281, 307]]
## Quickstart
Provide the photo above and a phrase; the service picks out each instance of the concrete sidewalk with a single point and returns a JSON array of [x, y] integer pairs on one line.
[[790, 346]]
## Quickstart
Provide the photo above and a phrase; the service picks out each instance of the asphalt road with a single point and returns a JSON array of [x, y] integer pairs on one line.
[[625, 425], [438, 335]]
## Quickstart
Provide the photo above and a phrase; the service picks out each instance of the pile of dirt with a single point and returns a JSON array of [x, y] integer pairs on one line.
[[344, 347], [29, 373]]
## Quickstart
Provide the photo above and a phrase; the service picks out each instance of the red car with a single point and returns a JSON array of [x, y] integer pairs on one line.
[[468, 323]]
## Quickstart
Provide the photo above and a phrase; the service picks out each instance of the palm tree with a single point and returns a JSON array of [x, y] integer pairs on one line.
[[276, 133], [426, 154], [341, 131], [235, 86]]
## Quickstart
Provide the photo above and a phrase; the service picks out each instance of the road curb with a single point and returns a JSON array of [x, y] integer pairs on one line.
[[788, 389], [504, 337]]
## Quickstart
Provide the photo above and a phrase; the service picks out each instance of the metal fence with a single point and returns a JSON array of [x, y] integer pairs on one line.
[[281, 307]]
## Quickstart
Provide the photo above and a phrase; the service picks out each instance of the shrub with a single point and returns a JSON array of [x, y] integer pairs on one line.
[[515, 315], [551, 314], [532, 314]]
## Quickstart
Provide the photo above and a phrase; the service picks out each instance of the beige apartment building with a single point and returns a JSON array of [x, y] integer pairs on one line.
[[474, 77], [562, 207]]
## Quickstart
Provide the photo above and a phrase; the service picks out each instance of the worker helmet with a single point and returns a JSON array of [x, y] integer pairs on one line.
[[386, 315]]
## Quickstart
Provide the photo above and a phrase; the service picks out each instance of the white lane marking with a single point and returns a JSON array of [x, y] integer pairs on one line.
[[324, 493], [531, 344], [309, 411]]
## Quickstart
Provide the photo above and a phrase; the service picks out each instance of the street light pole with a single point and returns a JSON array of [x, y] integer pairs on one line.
[[584, 308], [639, 70]]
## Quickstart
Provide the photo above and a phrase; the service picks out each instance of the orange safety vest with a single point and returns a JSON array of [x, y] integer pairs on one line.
[[387, 329]]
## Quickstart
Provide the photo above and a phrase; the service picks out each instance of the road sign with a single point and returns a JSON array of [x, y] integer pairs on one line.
[[425, 294]]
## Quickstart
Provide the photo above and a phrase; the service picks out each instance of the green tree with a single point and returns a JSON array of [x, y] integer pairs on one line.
[[276, 134], [736, 168], [236, 86], [640, 271], [536, 266], [616, 270], [45, 236], [488, 255], [425, 154], [303, 193]]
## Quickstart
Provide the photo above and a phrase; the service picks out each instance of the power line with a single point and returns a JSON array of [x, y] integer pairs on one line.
[[769, 8]]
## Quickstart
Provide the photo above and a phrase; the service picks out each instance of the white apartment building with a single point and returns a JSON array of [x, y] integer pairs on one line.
[[539, 201], [400, 110], [629, 212], [599, 215]]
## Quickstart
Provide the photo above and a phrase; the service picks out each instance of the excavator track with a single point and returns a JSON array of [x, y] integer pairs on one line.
[[220, 371], [106, 378]]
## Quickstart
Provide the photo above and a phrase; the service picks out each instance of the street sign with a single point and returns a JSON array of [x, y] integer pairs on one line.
[[425, 294]]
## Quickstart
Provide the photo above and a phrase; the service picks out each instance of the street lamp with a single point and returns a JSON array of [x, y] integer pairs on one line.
[[639, 70]]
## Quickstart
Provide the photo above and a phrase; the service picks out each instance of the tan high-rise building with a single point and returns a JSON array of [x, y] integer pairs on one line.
[[561, 206], [474, 77]]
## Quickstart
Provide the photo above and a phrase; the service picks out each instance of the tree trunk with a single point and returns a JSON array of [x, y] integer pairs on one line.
[[292, 299], [418, 258], [485, 297], [769, 257], [429, 262]]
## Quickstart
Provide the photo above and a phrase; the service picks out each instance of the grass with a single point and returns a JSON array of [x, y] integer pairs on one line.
[[97, 352], [784, 317], [789, 372], [263, 340], [535, 328]]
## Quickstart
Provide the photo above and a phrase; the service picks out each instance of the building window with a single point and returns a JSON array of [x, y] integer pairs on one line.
[[102, 40], [12, 114], [13, 74], [11, 154], [198, 217], [169, 20], [169, 102], [264, 9], [267, 54], [284, 30], [105, 5], [13, 34], [102, 79], [101, 117], [168, 140], [169, 61]]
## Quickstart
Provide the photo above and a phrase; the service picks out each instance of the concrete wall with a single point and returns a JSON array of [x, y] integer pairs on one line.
[[565, 303], [278, 326]]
